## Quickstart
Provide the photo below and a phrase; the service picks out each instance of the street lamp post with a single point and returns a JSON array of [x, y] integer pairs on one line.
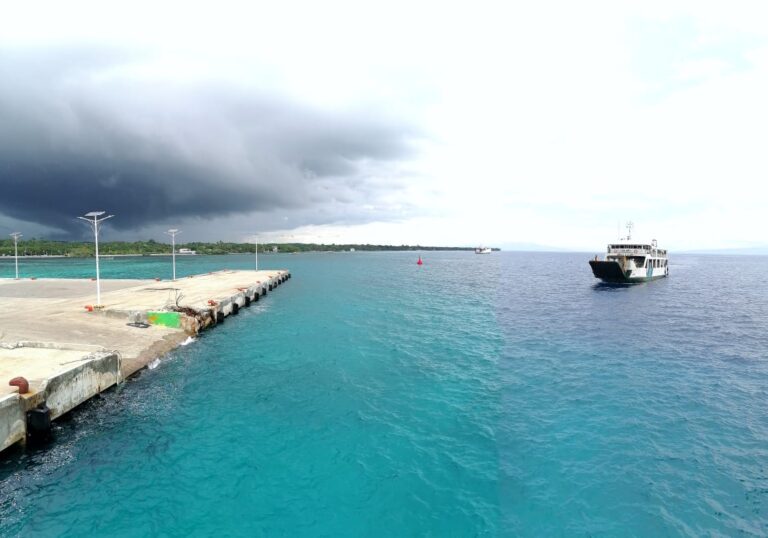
[[93, 219], [16, 236], [172, 232]]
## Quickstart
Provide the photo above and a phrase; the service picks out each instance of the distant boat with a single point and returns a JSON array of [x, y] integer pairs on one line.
[[186, 251], [629, 260], [483, 250]]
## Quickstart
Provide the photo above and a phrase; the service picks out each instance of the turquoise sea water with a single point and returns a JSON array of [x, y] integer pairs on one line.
[[501, 395]]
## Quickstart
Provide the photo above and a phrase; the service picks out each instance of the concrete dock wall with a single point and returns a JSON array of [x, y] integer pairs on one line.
[[139, 321], [57, 379], [13, 427], [69, 389]]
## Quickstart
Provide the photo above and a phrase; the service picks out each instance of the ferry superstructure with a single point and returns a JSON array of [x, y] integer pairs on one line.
[[629, 260]]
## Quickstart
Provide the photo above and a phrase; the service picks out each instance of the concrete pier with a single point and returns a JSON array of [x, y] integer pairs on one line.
[[67, 349]]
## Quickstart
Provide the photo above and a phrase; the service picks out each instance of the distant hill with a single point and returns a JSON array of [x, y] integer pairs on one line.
[[747, 251], [532, 247]]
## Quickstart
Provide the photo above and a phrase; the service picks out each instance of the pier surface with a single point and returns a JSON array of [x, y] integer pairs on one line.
[[68, 349]]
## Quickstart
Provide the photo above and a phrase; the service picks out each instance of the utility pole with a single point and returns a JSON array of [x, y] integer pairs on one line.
[[173, 232], [16, 236], [256, 240], [93, 219]]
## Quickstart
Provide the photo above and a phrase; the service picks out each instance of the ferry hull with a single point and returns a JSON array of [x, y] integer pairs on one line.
[[610, 271]]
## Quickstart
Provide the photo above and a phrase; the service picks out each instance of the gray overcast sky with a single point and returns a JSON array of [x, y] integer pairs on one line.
[[395, 122]]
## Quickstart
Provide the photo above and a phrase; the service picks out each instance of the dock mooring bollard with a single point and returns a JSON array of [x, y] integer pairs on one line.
[[20, 382]]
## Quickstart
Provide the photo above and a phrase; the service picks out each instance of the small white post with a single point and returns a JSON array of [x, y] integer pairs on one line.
[[256, 240], [16, 236]]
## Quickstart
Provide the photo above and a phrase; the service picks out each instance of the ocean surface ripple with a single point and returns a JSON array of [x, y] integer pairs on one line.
[[499, 395]]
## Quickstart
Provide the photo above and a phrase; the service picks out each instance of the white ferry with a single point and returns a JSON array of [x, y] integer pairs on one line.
[[629, 260], [482, 250], [186, 252]]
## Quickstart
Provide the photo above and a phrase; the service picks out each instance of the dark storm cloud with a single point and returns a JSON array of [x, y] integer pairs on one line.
[[80, 130]]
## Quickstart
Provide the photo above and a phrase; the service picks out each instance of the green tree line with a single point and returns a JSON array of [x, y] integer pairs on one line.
[[44, 247]]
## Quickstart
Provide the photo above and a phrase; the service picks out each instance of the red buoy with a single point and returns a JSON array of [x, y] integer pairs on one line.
[[419, 262]]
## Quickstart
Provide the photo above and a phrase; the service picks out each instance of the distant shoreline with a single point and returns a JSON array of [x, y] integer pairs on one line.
[[37, 256], [41, 248], [267, 253]]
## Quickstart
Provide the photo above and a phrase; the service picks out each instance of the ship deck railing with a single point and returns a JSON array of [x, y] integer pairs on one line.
[[629, 251]]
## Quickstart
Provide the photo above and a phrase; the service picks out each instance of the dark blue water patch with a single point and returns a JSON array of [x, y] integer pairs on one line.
[[475, 395]]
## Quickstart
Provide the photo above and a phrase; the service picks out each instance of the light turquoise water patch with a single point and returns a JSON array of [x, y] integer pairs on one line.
[[475, 395]]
